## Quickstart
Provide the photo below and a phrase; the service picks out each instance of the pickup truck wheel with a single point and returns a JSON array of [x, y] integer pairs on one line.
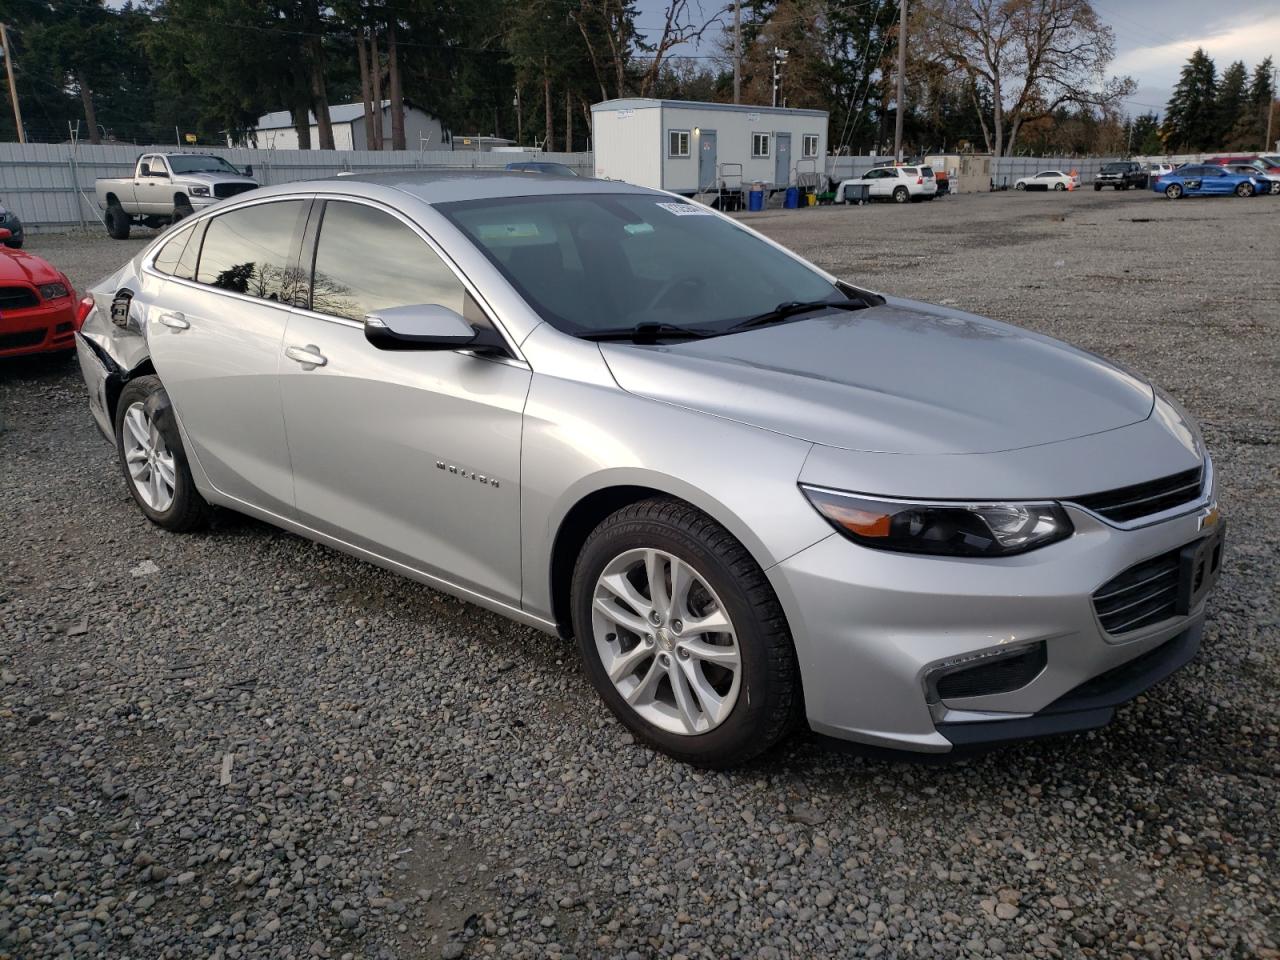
[[181, 209], [1097, 188], [117, 222]]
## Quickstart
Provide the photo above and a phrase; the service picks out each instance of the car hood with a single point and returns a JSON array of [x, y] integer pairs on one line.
[[16, 267], [215, 178], [903, 377]]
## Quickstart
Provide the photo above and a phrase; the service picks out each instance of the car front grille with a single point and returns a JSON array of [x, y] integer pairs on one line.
[[26, 338], [1144, 499], [1144, 594], [17, 298], [231, 189]]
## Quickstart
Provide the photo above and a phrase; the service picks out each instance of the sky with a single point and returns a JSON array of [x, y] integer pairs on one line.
[[1154, 38]]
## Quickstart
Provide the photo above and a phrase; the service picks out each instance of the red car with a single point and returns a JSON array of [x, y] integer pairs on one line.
[[1272, 163], [38, 310]]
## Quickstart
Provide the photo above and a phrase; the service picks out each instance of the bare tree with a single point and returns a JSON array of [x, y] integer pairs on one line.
[[1033, 55], [679, 25], [366, 90], [608, 30]]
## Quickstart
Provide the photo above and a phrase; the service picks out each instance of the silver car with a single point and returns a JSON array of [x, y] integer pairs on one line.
[[755, 494]]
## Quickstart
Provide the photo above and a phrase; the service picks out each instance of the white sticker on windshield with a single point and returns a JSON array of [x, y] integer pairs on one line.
[[687, 209]]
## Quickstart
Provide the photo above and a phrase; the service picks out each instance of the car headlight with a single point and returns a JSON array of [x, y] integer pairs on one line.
[[199, 191], [54, 291], [952, 529]]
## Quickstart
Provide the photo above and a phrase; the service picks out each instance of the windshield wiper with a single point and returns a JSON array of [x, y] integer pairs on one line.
[[791, 308], [648, 333]]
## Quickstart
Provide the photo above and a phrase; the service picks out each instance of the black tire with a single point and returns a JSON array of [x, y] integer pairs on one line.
[[1059, 187], [1097, 188], [13, 244], [1019, 186], [117, 222], [769, 699], [189, 510], [901, 195], [181, 209]]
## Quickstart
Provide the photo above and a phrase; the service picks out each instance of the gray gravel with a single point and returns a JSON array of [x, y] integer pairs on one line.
[[240, 744]]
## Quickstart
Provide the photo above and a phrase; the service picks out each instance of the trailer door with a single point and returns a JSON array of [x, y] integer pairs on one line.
[[707, 179], [782, 163]]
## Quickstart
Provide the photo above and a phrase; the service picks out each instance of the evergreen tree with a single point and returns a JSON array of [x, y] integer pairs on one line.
[[1233, 107], [1262, 97], [1191, 118], [1145, 135]]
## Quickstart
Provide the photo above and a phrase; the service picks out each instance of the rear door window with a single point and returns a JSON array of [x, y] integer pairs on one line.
[[166, 259], [251, 251]]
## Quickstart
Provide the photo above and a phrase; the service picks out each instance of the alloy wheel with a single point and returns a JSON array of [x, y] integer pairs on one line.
[[149, 459], [666, 642]]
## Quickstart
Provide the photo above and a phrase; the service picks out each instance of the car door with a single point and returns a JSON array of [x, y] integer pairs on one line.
[[215, 341], [411, 454], [879, 181], [152, 191]]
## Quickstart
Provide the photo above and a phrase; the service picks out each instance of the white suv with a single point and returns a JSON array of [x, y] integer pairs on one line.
[[899, 184]]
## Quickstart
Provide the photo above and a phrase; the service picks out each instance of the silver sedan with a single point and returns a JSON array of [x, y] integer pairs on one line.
[[755, 494]]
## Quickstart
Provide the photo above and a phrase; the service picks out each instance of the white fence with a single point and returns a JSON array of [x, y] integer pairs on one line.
[[50, 186]]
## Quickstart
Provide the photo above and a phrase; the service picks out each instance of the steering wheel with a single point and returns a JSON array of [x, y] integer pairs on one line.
[[669, 287]]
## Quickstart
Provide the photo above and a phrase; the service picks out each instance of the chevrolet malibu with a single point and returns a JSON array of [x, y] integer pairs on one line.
[[754, 494]]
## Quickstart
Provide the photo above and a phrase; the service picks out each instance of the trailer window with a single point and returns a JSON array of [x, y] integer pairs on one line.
[[810, 146], [677, 143], [760, 144]]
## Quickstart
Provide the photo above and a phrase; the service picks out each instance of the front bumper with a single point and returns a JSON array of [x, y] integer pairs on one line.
[[46, 328], [872, 629]]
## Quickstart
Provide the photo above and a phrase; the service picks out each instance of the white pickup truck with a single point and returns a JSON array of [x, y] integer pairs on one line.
[[165, 187]]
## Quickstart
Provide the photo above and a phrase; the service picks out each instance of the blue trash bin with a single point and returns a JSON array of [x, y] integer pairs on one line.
[[793, 198], [755, 199]]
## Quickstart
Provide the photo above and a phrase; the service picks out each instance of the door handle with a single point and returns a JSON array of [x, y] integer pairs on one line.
[[309, 356], [175, 320]]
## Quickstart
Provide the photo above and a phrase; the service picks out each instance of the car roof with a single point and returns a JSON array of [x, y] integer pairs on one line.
[[442, 186]]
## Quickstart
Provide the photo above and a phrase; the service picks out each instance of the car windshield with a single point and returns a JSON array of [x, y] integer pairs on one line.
[[190, 163], [1115, 167], [593, 262]]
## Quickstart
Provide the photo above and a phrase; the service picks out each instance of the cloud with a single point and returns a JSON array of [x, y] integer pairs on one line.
[[1250, 42]]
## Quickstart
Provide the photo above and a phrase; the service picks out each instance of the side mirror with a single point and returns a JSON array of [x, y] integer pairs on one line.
[[144, 170], [420, 326], [248, 169], [5, 233]]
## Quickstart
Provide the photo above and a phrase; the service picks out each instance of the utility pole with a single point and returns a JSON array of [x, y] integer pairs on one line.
[[13, 87], [1271, 105], [902, 79], [779, 61], [737, 51]]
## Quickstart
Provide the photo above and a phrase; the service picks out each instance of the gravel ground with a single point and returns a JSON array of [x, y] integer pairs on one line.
[[240, 744]]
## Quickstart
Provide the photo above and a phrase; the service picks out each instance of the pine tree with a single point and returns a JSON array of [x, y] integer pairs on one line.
[[1233, 107], [1262, 96], [1191, 119]]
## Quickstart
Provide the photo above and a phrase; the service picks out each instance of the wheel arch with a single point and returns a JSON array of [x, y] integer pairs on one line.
[[590, 507], [112, 200], [180, 199]]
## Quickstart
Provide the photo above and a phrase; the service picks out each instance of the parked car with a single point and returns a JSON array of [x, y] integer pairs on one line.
[[1268, 165], [1121, 175], [9, 221], [1048, 180], [1204, 180], [37, 305], [1157, 170], [901, 184], [543, 166], [1265, 183], [750, 490], [165, 188]]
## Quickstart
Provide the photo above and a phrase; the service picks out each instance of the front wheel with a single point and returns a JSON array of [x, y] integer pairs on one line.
[[1173, 191], [154, 462], [901, 195], [1097, 188], [1244, 190], [1059, 186], [682, 635], [1019, 186]]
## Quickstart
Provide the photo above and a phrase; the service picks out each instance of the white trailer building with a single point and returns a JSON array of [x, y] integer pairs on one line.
[[700, 148]]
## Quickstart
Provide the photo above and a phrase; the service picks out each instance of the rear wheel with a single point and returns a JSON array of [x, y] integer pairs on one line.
[[1019, 186], [1059, 186], [1244, 190], [1173, 191], [151, 454], [1097, 188], [1275, 191], [682, 635], [117, 222], [901, 195]]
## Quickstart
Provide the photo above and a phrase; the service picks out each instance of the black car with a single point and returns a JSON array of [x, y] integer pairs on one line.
[[1121, 175], [9, 221]]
